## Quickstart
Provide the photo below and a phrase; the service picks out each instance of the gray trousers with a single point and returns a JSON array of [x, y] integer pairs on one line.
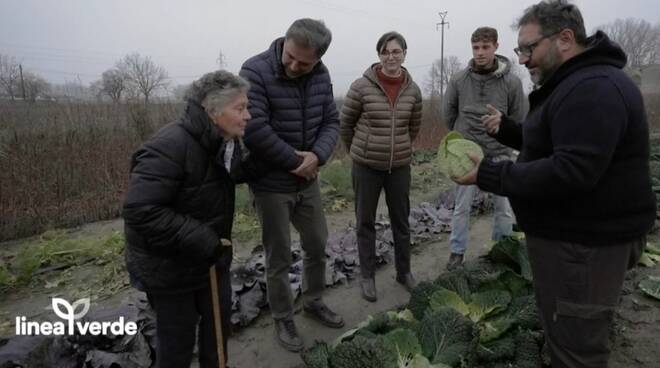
[[304, 210], [367, 185], [577, 289]]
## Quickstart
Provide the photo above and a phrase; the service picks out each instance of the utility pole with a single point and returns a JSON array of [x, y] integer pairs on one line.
[[20, 69], [442, 52]]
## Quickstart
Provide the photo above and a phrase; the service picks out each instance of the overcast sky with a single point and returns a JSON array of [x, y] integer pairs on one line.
[[70, 40]]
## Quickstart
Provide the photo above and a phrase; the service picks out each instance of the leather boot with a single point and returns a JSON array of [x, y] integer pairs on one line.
[[287, 335], [319, 311]]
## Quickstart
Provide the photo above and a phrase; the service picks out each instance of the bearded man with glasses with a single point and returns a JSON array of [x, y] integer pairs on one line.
[[581, 188]]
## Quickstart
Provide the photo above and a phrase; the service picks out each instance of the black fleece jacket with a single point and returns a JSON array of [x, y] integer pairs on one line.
[[583, 171]]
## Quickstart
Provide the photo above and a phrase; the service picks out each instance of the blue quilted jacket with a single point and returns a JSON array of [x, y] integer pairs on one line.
[[287, 115]]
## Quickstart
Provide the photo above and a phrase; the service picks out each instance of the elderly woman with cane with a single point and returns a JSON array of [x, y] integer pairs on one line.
[[178, 216]]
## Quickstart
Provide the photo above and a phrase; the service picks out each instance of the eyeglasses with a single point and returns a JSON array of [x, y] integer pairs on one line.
[[528, 49], [396, 53]]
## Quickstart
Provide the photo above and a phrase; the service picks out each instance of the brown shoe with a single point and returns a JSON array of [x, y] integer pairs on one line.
[[407, 280], [368, 287], [287, 335], [319, 311], [455, 261]]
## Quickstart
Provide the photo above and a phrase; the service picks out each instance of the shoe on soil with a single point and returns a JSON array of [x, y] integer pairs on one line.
[[319, 311], [455, 261], [407, 280], [287, 335], [368, 288]]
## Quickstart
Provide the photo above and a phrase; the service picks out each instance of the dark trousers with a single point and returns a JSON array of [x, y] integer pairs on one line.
[[304, 210], [577, 289], [179, 316], [367, 185]]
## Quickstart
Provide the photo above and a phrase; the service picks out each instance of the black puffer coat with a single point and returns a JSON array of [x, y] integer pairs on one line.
[[179, 204], [287, 115]]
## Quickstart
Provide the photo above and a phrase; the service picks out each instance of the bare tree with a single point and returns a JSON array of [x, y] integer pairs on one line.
[[179, 91], [638, 38], [452, 65], [35, 86], [113, 84], [9, 76], [142, 75]]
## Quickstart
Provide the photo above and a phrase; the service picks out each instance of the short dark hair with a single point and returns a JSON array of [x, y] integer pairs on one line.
[[310, 33], [391, 36], [484, 34], [553, 16]]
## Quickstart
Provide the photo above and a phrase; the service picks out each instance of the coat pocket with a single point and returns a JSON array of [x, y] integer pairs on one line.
[[583, 328]]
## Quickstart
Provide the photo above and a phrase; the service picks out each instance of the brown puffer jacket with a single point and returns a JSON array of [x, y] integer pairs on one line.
[[375, 132]]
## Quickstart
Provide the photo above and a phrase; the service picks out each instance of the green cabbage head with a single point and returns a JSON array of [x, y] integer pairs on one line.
[[453, 159]]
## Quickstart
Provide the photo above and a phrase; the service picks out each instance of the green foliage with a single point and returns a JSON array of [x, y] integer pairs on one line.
[[503, 348], [488, 303], [527, 351], [648, 259], [336, 179], [511, 252], [447, 337], [420, 298], [244, 201], [492, 329], [452, 157], [6, 278], [457, 282], [443, 298], [245, 227], [316, 356], [651, 286], [57, 248], [478, 307], [405, 344], [525, 313], [363, 352]]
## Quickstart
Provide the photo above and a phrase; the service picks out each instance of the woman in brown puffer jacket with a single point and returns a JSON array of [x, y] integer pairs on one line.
[[380, 119]]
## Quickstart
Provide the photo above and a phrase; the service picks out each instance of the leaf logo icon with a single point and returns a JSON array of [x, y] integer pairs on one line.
[[59, 303]]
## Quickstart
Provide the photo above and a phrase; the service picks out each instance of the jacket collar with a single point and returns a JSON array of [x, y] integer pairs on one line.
[[198, 124], [275, 50], [371, 75]]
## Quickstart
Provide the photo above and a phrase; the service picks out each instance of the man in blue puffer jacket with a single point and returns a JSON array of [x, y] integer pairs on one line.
[[293, 130]]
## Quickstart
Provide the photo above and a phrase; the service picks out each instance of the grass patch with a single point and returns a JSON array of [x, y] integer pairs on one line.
[[246, 225], [336, 185], [56, 248]]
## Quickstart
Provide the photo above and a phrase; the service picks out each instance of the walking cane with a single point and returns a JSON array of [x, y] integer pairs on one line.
[[217, 315]]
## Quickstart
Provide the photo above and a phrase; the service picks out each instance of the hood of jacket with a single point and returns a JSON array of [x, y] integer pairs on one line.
[[503, 67], [371, 75], [198, 124], [599, 50]]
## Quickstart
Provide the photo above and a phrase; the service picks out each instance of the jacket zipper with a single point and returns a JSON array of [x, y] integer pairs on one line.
[[392, 113]]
